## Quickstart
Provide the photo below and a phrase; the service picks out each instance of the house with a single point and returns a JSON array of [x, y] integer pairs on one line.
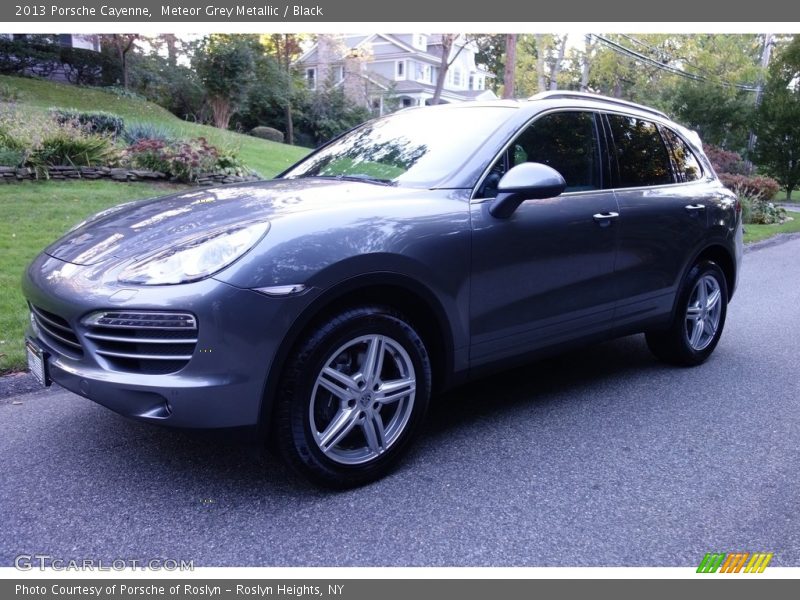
[[402, 68], [65, 40]]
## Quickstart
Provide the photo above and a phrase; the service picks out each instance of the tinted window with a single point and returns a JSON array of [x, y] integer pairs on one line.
[[641, 154], [565, 141], [687, 167]]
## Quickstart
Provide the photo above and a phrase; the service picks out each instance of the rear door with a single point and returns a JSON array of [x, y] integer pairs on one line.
[[663, 210]]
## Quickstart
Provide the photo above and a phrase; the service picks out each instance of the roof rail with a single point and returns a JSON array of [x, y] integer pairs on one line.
[[567, 95]]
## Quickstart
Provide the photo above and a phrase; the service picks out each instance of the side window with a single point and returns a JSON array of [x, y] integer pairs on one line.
[[687, 167], [641, 154], [565, 141]]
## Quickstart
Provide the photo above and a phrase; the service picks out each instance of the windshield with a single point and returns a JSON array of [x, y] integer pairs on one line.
[[415, 148]]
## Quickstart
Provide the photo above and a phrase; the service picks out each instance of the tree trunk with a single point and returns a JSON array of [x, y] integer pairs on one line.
[[171, 42], [586, 62], [444, 65], [540, 62], [221, 107], [289, 134], [287, 65], [124, 69], [555, 69], [509, 72]]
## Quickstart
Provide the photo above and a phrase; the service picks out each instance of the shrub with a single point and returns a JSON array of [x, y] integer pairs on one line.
[[189, 159], [761, 212], [10, 157], [184, 161], [149, 154], [147, 131], [65, 146], [725, 161], [758, 187], [267, 133], [8, 93], [94, 122], [38, 55], [230, 164]]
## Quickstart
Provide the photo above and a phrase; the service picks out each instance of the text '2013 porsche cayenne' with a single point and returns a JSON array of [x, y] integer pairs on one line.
[[328, 305]]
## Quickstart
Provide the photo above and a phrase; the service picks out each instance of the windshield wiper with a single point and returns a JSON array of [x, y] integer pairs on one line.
[[358, 177]]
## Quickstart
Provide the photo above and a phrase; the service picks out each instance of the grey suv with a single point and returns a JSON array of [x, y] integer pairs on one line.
[[327, 306]]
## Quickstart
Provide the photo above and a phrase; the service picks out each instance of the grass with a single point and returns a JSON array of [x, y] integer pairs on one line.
[[33, 214], [265, 157], [757, 233]]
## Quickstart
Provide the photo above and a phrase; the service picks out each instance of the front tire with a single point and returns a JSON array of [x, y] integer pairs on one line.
[[699, 318], [353, 397]]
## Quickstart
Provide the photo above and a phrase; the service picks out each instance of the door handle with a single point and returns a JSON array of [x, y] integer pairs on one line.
[[695, 207], [605, 218]]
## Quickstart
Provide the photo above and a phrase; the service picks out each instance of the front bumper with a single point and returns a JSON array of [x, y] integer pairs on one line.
[[222, 385]]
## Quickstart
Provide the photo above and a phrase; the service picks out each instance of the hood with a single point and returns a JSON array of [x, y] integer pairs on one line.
[[139, 228]]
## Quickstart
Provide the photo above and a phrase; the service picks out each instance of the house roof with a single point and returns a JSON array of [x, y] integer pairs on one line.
[[432, 55], [416, 87]]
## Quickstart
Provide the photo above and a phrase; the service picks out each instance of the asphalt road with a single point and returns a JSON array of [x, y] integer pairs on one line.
[[600, 457]]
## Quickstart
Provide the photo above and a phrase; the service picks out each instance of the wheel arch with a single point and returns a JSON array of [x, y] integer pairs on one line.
[[393, 290], [722, 256]]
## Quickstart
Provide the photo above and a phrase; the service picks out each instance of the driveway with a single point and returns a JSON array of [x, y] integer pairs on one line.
[[599, 457]]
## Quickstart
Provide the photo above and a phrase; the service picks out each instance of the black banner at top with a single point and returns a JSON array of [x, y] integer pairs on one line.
[[362, 11]]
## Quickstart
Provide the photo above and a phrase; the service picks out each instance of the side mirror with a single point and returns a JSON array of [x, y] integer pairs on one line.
[[528, 181]]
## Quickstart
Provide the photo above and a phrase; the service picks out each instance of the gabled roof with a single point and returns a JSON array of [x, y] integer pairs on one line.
[[361, 41]]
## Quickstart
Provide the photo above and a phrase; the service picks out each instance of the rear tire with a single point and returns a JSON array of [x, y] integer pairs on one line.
[[353, 397], [699, 318]]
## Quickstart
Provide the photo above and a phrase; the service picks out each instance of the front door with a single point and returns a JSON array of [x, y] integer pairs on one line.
[[546, 274]]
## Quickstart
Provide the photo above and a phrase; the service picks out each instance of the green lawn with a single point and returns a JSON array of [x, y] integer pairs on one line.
[[756, 233], [32, 215], [265, 157]]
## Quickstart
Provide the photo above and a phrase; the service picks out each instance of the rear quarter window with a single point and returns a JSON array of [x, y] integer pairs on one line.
[[687, 167], [641, 154]]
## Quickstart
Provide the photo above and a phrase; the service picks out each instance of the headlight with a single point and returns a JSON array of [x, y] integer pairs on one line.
[[195, 258]]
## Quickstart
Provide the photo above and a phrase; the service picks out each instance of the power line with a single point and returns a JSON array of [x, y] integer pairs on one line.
[[620, 49], [665, 56]]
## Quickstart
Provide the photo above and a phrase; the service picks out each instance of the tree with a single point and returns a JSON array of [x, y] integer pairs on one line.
[[445, 61], [540, 86], [122, 43], [509, 79], [491, 52], [778, 124], [722, 116], [557, 60], [224, 65], [586, 61], [285, 47], [329, 112]]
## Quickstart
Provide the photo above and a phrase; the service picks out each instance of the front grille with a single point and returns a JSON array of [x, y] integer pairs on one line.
[[143, 342], [56, 332]]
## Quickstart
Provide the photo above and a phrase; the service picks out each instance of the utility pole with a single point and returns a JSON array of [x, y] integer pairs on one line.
[[765, 56]]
